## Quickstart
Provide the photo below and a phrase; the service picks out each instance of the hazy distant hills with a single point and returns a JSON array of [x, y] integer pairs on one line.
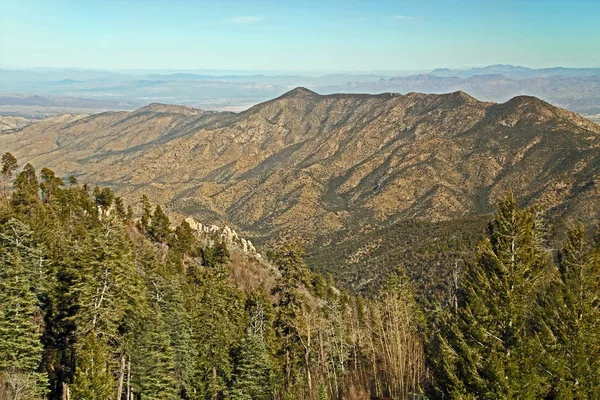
[[575, 89], [580, 94], [517, 72], [328, 167]]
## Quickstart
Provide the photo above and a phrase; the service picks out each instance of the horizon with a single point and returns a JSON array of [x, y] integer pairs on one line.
[[277, 73]]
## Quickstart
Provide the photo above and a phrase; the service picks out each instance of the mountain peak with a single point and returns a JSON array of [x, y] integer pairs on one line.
[[299, 92], [462, 96]]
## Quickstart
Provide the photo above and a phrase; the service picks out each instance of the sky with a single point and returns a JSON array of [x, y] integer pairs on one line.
[[301, 35]]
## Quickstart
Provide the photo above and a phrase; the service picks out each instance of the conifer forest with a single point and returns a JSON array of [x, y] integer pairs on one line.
[[100, 299]]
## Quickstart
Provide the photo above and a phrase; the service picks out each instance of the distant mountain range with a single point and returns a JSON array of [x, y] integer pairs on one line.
[[517, 72], [77, 91], [323, 166]]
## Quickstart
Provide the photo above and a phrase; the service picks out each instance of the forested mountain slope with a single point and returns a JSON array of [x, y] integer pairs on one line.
[[101, 300]]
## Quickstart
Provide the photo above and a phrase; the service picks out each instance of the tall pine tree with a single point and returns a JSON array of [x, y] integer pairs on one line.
[[571, 312], [20, 319], [488, 349]]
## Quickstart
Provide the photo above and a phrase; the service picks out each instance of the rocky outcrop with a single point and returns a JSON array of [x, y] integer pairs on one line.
[[212, 233]]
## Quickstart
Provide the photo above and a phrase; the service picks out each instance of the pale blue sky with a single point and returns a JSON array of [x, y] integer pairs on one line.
[[309, 35]]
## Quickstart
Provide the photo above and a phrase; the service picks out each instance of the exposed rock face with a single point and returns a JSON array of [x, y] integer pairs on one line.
[[227, 235], [309, 164]]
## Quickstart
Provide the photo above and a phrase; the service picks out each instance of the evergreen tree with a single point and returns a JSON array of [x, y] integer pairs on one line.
[[160, 228], [179, 325], [253, 376], [9, 165], [146, 213], [25, 197], [154, 361], [129, 215], [217, 316], [20, 330], [488, 349], [216, 256], [50, 184], [294, 273], [572, 315], [93, 377], [120, 209], [104, 198], [184, 238]]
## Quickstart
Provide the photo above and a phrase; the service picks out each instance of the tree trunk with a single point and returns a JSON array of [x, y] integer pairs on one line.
[[308, 377], [65, 392], [121, 377], [287, 369], [215, 393], [129, 379]]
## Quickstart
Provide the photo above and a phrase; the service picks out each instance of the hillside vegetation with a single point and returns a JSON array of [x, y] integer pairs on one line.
[[99, 300], [103, 300]]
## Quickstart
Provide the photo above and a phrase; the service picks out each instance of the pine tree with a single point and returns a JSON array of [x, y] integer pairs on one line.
[[20, 330], [288, 258], [487, 350], [25, 197], [104, 198], [184, 238], [572, 315], [93, 376], [120, 209], [216, 256], [160, 228], [154, 361], [146, 213], [9, 165], [217, 315], [50, 184], [253, 376], [179, 325]]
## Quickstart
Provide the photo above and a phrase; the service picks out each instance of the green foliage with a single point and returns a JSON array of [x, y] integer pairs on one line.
[[9, 165], [25, 196], [160, 229], [253, 376], [146, 213], [184, 238], [488, 348], [217, 314], [322, 393], [104, 198], [294, 273], [154, 359], [20, 325], [93, 379], [50, 184], [92, 302], [571, 314], [216, 256], [120, 209]]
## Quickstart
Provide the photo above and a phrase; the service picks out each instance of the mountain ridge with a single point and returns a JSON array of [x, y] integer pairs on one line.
[[307, 164]]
